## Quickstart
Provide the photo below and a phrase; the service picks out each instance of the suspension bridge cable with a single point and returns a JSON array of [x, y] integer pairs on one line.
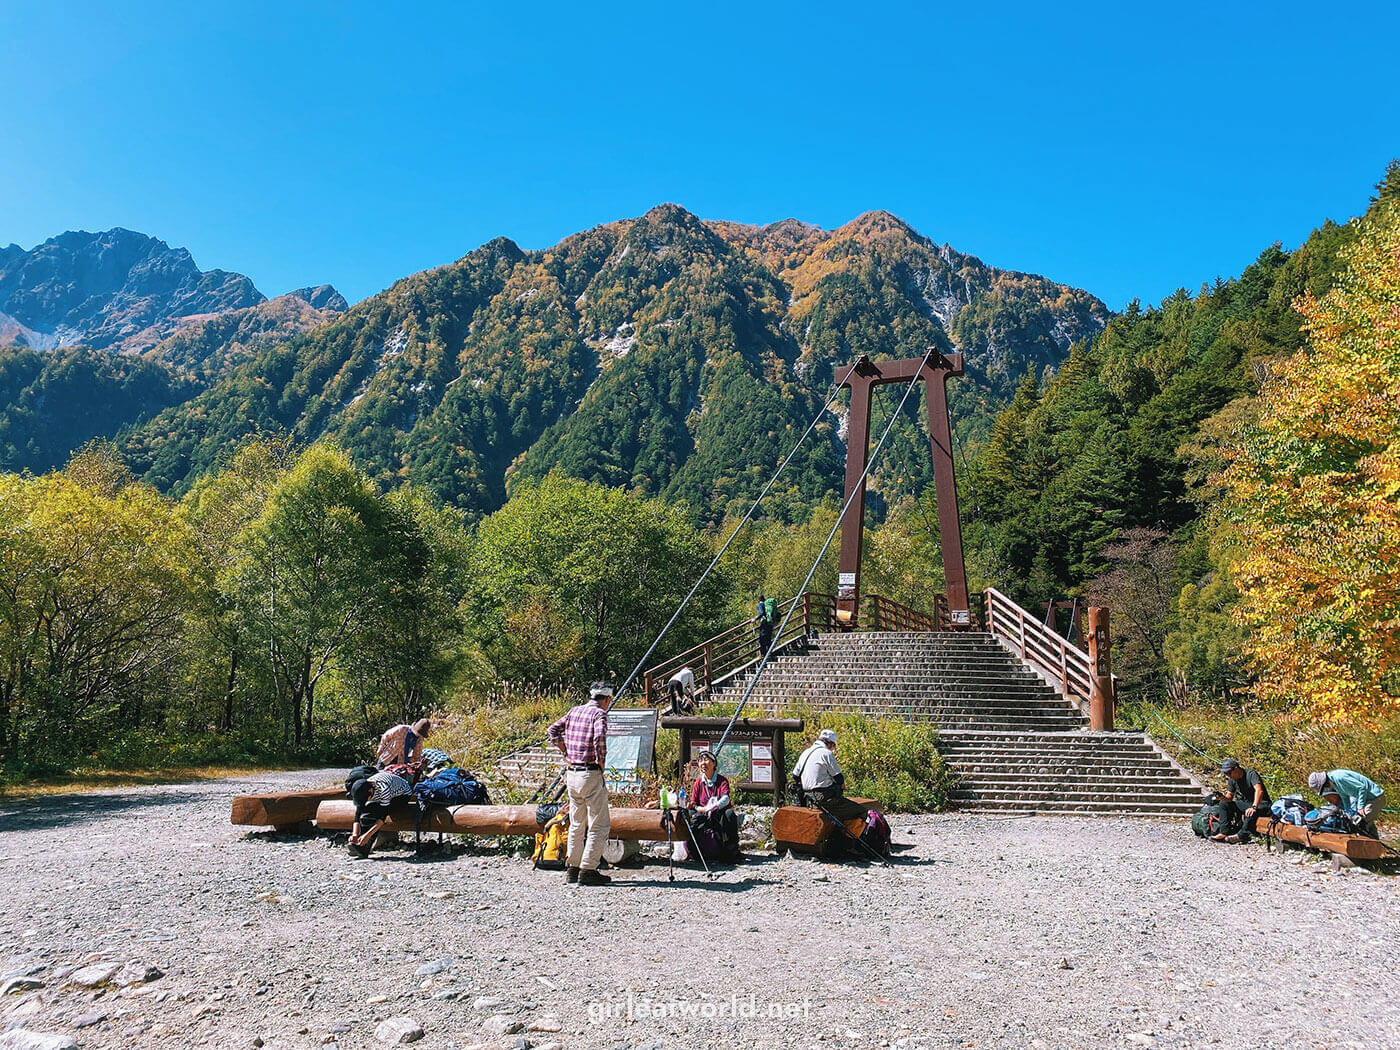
[[855, 491], [831, 396]]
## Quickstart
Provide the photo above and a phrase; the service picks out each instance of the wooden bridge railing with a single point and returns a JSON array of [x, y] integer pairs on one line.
[[736, 649], [1067, 665]]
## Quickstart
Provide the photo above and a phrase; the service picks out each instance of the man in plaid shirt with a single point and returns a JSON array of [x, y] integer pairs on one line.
[[582, 737]]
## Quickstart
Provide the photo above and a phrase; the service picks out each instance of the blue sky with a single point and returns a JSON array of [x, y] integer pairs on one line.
[[1123, 149]]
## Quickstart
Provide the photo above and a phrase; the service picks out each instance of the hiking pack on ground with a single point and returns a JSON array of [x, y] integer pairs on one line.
[[552, 844], [1217, 817], [452, 787], [877, 833]]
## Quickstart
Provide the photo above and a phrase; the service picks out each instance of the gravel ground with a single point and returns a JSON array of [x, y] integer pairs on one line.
[[983, 933]]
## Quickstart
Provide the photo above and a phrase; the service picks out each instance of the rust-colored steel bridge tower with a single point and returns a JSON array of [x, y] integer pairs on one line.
[[862, 378]]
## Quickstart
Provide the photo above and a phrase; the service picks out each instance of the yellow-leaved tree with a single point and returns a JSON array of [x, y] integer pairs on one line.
[[1312, 496]]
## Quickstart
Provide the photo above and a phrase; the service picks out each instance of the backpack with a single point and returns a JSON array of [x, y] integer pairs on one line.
[[1291, 809], [877, 833], [1217, 817], [770, 610], [552, 844], [1329, 818], [452, 787]]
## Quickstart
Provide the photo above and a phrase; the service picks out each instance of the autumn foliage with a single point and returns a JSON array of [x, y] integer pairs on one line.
[[1313, 497]]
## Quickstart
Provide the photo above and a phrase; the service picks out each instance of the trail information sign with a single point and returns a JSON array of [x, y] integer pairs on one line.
[[753, 754], [631, 746]]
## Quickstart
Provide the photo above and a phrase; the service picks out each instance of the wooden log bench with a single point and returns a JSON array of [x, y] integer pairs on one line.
[[631, 824], [805, 830], [281, 810], [1353, 847]]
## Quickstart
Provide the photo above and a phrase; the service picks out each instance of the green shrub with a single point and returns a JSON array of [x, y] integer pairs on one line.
[[888, 759]]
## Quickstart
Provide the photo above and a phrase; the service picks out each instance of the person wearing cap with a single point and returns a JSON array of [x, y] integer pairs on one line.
[[582, 737], [403, 744], [1245, 788], [822, 782], [1352, 792], [713, 823]]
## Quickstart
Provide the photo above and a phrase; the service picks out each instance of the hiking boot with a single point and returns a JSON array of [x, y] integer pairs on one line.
[[572, 876], [593, 877]]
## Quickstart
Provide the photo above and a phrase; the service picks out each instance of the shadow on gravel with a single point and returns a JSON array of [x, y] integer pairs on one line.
[[56, 811], [694, 881]]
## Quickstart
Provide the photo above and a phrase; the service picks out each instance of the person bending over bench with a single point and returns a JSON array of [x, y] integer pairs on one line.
[[1353, 793]]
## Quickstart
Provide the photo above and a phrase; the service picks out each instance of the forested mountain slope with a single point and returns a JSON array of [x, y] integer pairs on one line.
[[665, 354]]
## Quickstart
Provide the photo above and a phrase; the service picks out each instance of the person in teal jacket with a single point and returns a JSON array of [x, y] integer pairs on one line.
[[1352, 791]]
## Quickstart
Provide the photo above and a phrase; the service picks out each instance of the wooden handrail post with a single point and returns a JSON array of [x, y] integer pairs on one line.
[[646, 689], [1101, 698], [1064, 669], [1021, 629], [709, 651], [807, 612]]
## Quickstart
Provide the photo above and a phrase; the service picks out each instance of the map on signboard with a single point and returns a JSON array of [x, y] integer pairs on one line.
[[631, 745], [734, 761]]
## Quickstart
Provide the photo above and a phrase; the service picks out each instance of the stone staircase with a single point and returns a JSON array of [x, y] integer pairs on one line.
[[531, 767], [1015, 743]]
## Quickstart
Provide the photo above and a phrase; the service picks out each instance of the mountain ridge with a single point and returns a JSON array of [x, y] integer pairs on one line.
[[665, 353]]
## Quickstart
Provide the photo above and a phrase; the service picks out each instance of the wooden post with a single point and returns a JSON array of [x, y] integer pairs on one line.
[[708, 651], [1101, 698]]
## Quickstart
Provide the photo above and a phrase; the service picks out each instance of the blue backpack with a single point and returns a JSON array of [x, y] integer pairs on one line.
[[452, 787], [1291, 809]]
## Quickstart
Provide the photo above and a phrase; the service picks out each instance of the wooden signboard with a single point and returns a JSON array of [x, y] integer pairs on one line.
[[753, 758]]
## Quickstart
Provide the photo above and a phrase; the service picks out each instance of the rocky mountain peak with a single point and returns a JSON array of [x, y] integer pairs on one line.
[[113, 289], [321, 297]]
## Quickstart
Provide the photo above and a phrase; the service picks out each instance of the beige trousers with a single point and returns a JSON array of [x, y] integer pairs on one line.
[[589, 823]]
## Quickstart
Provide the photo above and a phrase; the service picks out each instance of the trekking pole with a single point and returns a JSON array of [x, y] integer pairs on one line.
[[693, 845], [854, 838], [668, 820]]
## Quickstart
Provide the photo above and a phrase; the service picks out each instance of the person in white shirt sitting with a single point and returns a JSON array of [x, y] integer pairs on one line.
[[822, 783]]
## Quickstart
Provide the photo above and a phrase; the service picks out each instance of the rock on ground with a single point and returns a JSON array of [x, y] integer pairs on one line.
[[1045, 933]]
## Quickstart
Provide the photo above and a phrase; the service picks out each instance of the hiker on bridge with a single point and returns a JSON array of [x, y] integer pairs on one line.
[[1353, 793], [821, 780], [1245, 789], [766, 618], [403, 744], [582, 737]]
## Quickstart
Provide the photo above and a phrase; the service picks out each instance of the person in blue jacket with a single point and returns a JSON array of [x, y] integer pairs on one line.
[[1352, 792]]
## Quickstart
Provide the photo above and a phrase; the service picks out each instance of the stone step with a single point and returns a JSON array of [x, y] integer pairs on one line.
[[1037, 809], [1078, 793]]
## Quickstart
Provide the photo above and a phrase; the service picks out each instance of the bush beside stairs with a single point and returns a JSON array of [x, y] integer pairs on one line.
[[1016, 745]]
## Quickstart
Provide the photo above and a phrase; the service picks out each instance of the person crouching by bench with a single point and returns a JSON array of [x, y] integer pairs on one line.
[[1246, 792], [374, 798], [582, 737], [821, 780]]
